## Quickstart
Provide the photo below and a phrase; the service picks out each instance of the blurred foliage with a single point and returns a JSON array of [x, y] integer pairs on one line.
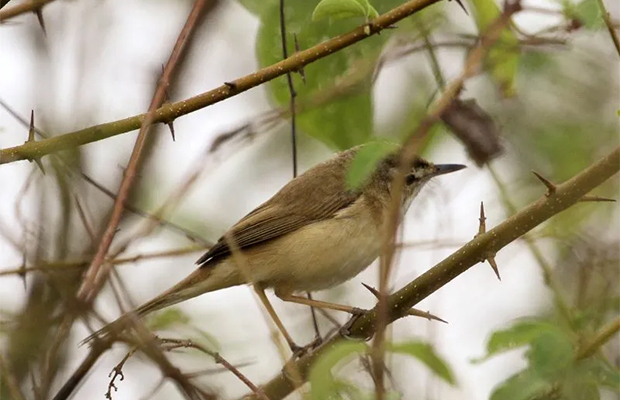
[[425, 353], [340, 9], [325, 386], [344, 122], [503, 59], [554, 369], [366, 160]]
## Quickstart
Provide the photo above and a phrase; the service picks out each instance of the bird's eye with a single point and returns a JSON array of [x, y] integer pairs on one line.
[[411, 178]]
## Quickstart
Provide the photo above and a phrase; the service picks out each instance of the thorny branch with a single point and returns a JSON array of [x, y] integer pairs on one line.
[[472, 66], [170, 112], [566, 195]]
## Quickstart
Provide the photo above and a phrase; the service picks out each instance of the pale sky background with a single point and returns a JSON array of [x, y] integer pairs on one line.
[[93, 81]]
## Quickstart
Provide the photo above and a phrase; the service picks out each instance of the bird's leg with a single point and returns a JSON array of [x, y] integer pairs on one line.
[[286, 296], [260, 291]]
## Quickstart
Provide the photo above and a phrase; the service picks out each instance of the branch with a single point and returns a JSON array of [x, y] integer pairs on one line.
[[169, 112], [97, 272], [601, 337], [469, 255], [27, 6]]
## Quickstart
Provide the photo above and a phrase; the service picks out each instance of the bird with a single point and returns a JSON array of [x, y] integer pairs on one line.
[[313, 234]]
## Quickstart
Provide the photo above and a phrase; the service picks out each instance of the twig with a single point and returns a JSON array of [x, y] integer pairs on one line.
[[52, 266], [610, 27], [409, 150], [172, 111], [600, 338], [292, 107], [117, 372], [161, 221], [219, 360], [97, 272], [128, 207]]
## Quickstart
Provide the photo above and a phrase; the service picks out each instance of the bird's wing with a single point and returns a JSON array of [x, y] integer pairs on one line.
[[305, 200]]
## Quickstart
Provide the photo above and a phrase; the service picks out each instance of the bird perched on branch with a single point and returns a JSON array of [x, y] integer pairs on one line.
[[315, 233]]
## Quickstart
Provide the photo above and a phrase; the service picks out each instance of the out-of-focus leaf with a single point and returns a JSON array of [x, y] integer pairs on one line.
[[425, 353], [601, 372], [322, 383], [347, 121], [551, 354], [475, 129], [587, 12], [579, 387], [341, 9], [523, 386], [366, 160], [167, 318], [502, 61], [257, 7], [518, 335]]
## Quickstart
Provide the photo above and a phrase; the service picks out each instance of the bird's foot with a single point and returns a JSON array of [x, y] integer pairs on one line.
[[299, 351]]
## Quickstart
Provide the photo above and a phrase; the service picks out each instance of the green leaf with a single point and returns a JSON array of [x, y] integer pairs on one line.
[[340, 9], [588, 12], [425, 353], [523, 386], [343, 80], [366, 161], [551, 354], [518, 335], [323, 386], [502, 61], [166, 319]]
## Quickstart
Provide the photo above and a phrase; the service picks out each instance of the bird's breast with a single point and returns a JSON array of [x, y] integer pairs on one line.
[[322, 254]]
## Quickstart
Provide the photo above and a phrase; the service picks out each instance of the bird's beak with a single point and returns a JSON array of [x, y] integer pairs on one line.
[[441, 169]]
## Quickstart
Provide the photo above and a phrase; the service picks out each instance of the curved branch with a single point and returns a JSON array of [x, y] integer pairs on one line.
[[466, 257], [169, 112]]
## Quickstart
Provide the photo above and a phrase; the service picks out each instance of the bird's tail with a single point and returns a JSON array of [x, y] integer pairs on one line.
[[201, 281]]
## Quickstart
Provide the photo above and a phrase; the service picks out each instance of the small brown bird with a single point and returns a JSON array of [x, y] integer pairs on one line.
[[313, 234]]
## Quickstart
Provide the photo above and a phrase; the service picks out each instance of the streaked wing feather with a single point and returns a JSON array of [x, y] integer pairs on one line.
[[291, 208]]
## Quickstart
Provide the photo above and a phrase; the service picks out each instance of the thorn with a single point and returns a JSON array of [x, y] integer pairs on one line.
[[413, 312], [493, 264], [31, 131], [482, 228], [40, 164], [585, 199], [231, 85], [31, 128], [550, 186], [39, 13], [460, 3], [371, 289], [300, 70], [22, 271], [425, 314], [171, 127]]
